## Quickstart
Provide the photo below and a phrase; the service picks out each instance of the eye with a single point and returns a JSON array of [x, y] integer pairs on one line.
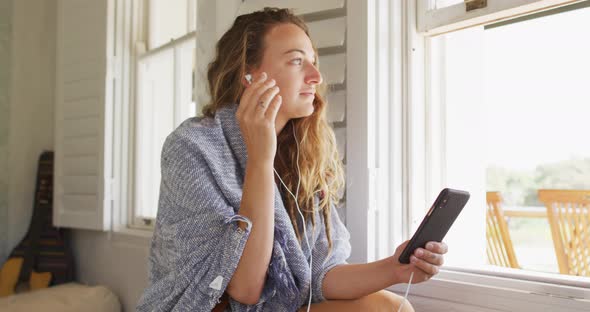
[[298, 61]]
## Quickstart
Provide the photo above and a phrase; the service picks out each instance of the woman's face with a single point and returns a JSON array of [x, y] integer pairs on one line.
[[289, 59]]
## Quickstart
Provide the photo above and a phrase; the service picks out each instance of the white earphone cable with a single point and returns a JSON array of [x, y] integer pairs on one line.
[[295, 197], [407, 291]]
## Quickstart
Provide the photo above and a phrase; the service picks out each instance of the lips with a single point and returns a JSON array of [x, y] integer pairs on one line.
[[308, 92]]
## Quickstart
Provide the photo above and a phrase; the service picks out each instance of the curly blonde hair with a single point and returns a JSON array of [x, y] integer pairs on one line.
[[321, 169]]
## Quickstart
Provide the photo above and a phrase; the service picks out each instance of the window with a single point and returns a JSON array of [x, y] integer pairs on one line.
[[505, 95], [540, 123], [506, 118], [164, 88]]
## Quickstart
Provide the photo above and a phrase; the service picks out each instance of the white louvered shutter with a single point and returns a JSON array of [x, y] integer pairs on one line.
[[83, 114]]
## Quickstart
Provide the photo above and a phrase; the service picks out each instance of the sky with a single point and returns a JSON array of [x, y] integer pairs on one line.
[[537, 90]]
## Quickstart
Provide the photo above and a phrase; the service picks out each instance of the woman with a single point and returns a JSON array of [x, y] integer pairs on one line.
[[229, 232]]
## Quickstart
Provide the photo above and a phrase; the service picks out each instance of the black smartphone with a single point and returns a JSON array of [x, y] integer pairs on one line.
[[437, 222]]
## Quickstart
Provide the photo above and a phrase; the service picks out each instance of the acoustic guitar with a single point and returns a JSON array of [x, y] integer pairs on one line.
[[44, 256]]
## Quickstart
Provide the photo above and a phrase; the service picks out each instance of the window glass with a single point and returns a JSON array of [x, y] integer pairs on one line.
[[511, 118]]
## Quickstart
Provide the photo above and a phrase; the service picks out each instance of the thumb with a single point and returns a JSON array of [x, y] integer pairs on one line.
[[401, 247], [399, 250]]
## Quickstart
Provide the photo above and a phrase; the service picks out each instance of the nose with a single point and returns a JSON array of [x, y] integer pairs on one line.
[[313, 75]]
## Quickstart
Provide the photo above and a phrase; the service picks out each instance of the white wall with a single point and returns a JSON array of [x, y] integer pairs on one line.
[[31, 105], [115, 261], [5, 55], [122, 266]]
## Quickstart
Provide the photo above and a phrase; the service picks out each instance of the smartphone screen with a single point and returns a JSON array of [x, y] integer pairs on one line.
[[437, 222]]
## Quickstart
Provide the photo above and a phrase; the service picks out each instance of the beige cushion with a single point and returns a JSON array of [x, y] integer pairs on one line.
[[63, 298]]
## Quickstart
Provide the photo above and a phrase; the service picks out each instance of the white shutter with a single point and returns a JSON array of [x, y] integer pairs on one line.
[[333, 68], [328, 33], [336, 106], [83, 114]]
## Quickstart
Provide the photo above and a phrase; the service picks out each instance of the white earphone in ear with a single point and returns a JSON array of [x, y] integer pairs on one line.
[[248, 78]]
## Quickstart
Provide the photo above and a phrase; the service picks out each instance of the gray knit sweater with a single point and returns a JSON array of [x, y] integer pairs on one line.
[[197, 243]]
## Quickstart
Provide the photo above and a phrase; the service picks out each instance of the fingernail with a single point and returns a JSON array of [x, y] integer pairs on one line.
[[413, 259], [419, 252], [263, 76], [430, 245]]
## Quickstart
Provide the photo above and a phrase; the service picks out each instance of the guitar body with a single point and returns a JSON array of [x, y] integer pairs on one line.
[[9, 276], [45, 254]]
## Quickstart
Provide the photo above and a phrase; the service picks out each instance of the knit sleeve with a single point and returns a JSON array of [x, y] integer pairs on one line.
[[197, 242], [323, 260]]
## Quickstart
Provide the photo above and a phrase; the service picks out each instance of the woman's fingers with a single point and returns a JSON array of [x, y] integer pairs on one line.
[[265, 99], [258, 95], [430, 257], [274, 107], [260, 99], [261, 85], [258, 131], [245, 101], [436, 247], [429, 260], [427, 268], [424, 262]]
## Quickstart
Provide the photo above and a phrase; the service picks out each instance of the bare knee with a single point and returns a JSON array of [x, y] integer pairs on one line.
[[387, 301], [376, 302]]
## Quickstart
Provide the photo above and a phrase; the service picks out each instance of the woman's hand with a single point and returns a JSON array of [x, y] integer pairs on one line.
[[425, 263], [256, 116]]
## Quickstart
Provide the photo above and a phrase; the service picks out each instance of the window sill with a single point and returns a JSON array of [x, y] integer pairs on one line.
[[132, 237], [491, 292]]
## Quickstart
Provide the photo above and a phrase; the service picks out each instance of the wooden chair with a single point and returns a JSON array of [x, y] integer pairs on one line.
[[499, 245], [568, 212]]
